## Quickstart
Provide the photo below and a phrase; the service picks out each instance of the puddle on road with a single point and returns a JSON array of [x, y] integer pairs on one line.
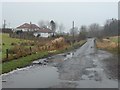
[[84, 77], [69, 55], [40, 61], [97, 84], [96, 79], [35, 77], [103, 54], [62, 57], [94, 69]]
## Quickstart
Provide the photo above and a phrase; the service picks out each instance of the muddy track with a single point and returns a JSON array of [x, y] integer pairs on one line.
[[85, 67]]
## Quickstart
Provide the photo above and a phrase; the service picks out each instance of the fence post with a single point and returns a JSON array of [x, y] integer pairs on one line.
[[30, 50], [7, 54]]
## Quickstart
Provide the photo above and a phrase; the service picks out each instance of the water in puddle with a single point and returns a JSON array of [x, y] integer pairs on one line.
[[94, 69], [85, 77], [35, 77], [39, 61], [99, 81], [69, 55]]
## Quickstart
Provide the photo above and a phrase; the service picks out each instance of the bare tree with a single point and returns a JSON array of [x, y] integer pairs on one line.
[[111, 27], [41, 23], [47, 23], [83, 29], [61, 28], [94, 30], [83, 32], [74, 31], [44, 24]]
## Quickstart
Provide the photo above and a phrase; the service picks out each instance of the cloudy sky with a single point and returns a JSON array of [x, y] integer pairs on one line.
[[83, 13]]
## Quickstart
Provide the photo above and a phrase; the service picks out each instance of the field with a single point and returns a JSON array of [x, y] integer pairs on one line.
[[115, 39], [26, 60], [8, 41], [21, 62], [110, 44]]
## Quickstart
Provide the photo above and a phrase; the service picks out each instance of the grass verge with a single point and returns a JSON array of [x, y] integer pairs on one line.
[[21, 62], [25, 61], [110, 45]]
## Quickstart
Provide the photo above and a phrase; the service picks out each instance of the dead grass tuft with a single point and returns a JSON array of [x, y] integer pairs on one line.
[[107, 45]]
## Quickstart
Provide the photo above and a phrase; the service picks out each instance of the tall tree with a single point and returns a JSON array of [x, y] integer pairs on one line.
[[44, 24], [53, 26], [74, 31], [111, 27]]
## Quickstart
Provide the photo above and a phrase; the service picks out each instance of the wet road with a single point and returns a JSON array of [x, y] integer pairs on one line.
[[81, 68]]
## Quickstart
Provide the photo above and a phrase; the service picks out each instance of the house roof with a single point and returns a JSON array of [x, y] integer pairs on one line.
[[34, 26], [28, 26], [44, 30]]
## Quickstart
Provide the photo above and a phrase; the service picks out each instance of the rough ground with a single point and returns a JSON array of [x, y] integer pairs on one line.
[[85, 67]]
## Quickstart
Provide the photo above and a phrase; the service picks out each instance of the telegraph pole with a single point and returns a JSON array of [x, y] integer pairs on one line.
[[30, 26], [73, 29], [4, 24]]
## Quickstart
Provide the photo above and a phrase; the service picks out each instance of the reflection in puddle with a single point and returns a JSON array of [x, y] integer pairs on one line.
[[69, 55], [85, 77], [94, 69]]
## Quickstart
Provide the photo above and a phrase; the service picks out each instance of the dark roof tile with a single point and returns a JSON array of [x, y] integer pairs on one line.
[[28, 26]]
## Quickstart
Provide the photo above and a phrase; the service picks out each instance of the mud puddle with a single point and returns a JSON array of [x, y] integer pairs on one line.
[[96, 76], [96, 79]]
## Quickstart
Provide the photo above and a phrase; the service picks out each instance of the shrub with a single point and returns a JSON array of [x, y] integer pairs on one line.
[[24, 43], [13, 43], [3, 43]]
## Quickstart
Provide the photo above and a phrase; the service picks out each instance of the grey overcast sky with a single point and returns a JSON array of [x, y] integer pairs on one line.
[[83, 13]]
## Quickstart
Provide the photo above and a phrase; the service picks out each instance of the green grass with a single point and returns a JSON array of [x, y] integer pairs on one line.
[[7, 42], [115, 39], [25, 61], [112, 49], [21, 62]]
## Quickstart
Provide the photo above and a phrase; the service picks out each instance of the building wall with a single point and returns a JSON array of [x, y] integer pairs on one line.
[[26, 30], [42, 34]]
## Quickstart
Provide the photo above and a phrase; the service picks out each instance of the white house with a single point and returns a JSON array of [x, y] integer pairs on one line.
[[43, 32], [27, 27], [37, 31]]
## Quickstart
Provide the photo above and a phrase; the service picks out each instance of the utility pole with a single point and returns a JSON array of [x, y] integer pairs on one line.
[[4, 24], [73, 24], [73, 30], [30, 26]]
